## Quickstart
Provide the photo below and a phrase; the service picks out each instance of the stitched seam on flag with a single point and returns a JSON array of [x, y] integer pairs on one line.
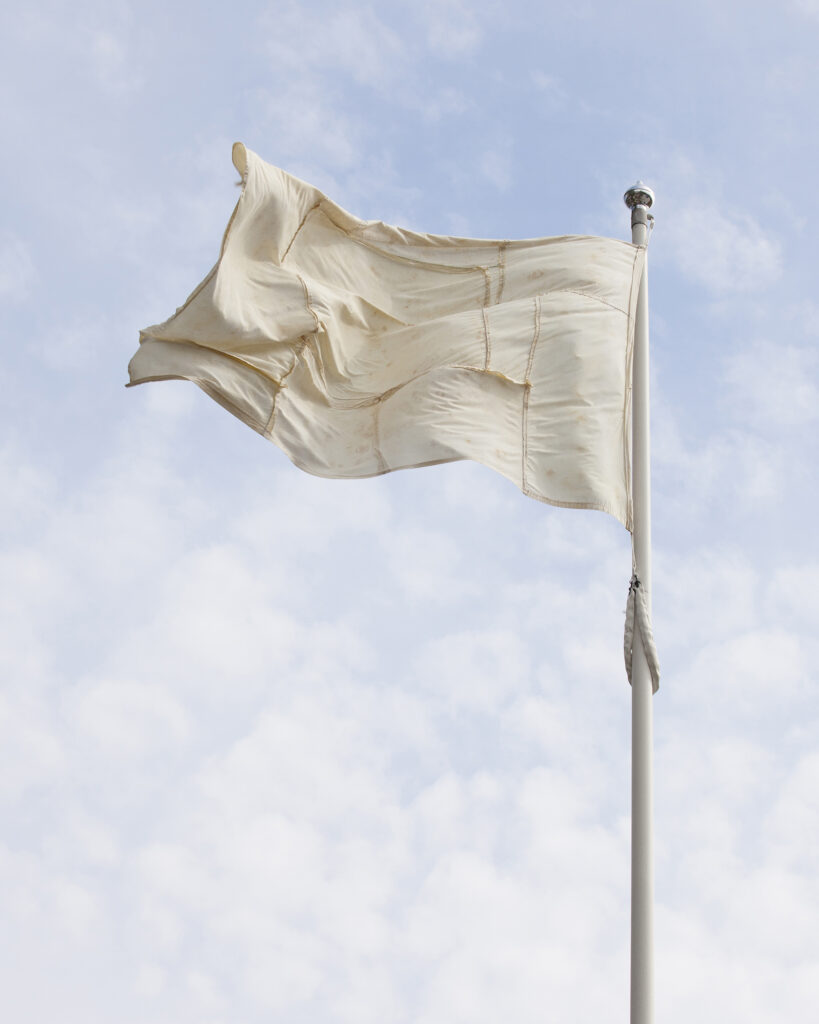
[[427, 264], [223, 399], [314, 207], [487, 342], [501, 269], [268, 430], [268, 427], [222, 249], [382, 462], [311, 344], [353, 235], [310, 309], [233, 215], [636, 275], [213, 351], [535, 339], [411, 260], [586, 295], [434, 242], [597, 506], [200, 287], [375, 399], [487, 285], [527, 387]]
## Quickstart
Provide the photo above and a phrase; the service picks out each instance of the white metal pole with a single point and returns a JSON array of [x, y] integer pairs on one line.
[[639, 199]]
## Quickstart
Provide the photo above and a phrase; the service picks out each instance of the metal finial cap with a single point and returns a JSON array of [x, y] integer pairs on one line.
[[639, 195]]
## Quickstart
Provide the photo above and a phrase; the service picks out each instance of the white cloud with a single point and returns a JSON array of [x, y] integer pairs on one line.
[[790, 75], [330, 846], [452, 27], [304, 118], [34, 753], [792, 827], [443, 104], [713, 242], [97, 38], [809, 7], [308, 105], [151, 980], [108, 34], [427, 565], [77, 909], [304, 108], [794, 593], [89, 841], [17, 273], [742, 673], [733, 465], [347, 39], [109, 55], [551, 91], [712, 590], [474, 671], [276, 747], [726, 251], [28, 490], [774, 384], [807, 314], [129, 719], [495, 165]]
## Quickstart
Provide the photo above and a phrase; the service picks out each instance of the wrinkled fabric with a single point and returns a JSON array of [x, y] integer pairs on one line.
[[360, 348]]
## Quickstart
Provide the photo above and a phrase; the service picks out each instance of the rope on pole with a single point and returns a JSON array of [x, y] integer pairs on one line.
[[637, 611]]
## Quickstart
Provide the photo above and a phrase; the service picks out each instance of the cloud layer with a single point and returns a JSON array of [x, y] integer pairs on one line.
[[277, 748]]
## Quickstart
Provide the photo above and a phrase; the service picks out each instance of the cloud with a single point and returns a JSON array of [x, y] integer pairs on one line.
[[452, 27], [808, 7], [109, 55], [473, 671], [129, 718], [29, 490], [304, 118], [96, 38], [346, 40], [17, 272], [426, 565], [713, 242], [793, 823], [698, 475], [495, 165], [278, 747], [444, 103], [321, 110], [326, 822], [705, 592], [551, 91], [794, 592], [318, 56], [34, 752], [774, 385], [723, 250]]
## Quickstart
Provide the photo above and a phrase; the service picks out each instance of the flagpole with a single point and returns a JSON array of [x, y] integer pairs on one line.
[[639, 198]]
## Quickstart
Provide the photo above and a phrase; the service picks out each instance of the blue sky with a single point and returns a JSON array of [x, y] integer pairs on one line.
[[279, 748]]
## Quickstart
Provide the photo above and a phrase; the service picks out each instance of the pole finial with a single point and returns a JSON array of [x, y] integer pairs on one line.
[[639, 195]]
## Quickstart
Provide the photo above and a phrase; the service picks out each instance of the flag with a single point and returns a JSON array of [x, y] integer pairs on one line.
[[360, 348]]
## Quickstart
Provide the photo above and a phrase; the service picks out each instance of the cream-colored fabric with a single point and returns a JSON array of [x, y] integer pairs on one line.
[[360, 348]]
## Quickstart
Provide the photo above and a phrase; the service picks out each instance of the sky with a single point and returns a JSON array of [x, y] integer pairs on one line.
[[275, 748]]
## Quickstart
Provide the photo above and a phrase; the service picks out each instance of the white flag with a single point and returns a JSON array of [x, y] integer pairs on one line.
[[360, 348]]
